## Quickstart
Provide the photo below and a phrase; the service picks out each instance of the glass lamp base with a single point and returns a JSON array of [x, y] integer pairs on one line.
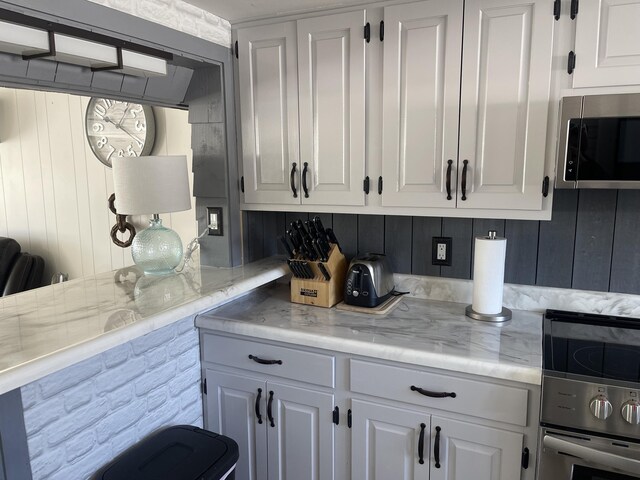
[[157, 250]]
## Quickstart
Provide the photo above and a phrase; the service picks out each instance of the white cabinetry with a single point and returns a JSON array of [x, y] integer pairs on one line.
[[283, 428], [503, 104], [302, 108], [421, 91], [607, 43], [331, 65], [269, 110], [280, 405]]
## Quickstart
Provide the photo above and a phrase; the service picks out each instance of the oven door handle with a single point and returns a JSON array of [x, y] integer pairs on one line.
[[590, 455]]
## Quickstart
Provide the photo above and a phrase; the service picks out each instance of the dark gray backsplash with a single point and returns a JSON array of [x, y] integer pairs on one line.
[[591, 243]]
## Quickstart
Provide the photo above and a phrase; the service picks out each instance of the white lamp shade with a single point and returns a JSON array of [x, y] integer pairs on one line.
[[83, 52], [152, 184], [135, 63]]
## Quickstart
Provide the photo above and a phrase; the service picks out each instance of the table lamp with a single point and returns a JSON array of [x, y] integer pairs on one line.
[[153, 185]]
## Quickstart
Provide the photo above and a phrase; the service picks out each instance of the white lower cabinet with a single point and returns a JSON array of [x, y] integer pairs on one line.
[[299, 414], [465, 451], [283, 432]]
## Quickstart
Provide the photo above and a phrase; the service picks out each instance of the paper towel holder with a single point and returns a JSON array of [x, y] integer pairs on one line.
[[501, 317]]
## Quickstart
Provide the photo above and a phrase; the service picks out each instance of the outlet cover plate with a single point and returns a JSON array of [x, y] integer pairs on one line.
[[446, 241]]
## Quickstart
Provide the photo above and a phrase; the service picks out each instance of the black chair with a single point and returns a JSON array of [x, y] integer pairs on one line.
[[18, 271]]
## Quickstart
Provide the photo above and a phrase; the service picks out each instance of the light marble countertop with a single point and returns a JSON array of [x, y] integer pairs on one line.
[[417, 331], [50, 328]]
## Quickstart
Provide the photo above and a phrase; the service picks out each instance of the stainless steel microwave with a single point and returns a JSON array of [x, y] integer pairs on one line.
[[599, 142]]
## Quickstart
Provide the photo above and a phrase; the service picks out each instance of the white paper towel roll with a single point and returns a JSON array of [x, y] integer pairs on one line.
[[488, 274]]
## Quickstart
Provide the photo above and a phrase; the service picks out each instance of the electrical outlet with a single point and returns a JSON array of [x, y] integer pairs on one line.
[[441, 251]]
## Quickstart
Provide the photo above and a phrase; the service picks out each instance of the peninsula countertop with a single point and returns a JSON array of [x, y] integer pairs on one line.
[[417, 331], [50, 328]]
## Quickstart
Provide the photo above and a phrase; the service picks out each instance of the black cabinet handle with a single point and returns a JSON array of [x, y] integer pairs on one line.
[[336, 415], [304, 180], [265, 362], [428, 393], [293, 180], [464, 180], [269, 414], [258, 406], [436, 448], [349, 418], [450, 162], [421, 444]]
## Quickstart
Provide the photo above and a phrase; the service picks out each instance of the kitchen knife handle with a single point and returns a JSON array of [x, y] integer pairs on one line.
[[428, 393], [291, 267], [293, 180], [464, 180], [284, 242], [258, 406], [421, 444], [318, 224], [332, 237], [304, 180], [450, 162], [436, 448], [324, 271]]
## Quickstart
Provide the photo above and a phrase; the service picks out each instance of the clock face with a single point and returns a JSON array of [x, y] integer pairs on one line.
[[117, 128]]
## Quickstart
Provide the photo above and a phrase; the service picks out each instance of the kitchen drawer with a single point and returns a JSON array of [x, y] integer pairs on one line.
[[478, 399], [296, 364]]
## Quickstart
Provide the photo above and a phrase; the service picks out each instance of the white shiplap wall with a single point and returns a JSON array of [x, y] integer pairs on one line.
[[53, 191]]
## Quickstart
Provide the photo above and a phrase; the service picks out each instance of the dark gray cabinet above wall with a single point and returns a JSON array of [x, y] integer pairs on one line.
[[591, 242]]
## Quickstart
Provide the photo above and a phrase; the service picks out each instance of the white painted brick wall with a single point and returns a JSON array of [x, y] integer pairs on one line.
[[178, 15], [80, 418]]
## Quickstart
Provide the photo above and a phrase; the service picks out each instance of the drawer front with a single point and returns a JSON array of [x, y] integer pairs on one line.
[[479, 399], [307, 367]]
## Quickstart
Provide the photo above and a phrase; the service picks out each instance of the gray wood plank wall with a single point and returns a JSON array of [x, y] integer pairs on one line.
[[591, 243]]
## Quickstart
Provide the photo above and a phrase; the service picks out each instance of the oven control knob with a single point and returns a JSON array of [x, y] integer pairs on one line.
[[601, 407], [631, 412]]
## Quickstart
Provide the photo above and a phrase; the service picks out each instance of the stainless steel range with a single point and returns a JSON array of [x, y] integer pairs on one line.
[[590, 416]]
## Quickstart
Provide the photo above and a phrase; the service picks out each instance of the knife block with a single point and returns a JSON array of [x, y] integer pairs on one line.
[[318, 291]]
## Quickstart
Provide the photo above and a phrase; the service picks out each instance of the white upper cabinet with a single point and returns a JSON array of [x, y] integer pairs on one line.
[[331, 71], [269, 112], [506, 77], [607, 43], [421, 88]]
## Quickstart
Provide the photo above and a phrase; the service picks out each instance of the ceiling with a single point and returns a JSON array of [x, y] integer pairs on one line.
[[241, 10]]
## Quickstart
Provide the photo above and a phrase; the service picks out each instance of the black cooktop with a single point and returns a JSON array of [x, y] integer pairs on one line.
[[597, 346]]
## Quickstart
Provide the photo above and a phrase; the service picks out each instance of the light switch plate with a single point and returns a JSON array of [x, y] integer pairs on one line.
[[214, 217]]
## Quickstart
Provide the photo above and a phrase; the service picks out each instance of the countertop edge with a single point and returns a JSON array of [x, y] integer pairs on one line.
[[514, 373], [20, 375]]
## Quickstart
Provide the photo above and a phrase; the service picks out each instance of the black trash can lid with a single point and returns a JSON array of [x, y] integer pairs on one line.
[[181, 452]]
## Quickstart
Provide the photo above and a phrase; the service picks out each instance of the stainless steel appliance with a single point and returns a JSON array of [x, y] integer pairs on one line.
[[369, 281], [590, 416], [598, 142]]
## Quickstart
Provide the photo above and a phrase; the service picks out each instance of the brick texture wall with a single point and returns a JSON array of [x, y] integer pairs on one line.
[[178, 15], [81, 417]]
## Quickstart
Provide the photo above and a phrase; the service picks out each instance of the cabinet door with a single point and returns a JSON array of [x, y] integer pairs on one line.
[[421, 87], [231, 403], [474, 451], [301, 442], [607, 43], [269, 112], [384, 443], [506, 75], [331, 56]]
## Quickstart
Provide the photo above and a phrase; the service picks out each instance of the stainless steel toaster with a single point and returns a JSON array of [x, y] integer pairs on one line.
[[369, 280]]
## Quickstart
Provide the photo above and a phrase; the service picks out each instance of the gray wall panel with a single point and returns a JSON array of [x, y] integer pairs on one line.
[[461, 232], [594, 239], [370, 234], [522, 251], [625, 262], [345, 227], [13, 438], [557, 240], [209, 160], [424, 229], [256, 238], [397, 242]]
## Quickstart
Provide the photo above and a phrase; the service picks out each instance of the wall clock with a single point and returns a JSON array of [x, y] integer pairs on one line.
[[123, 129]]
